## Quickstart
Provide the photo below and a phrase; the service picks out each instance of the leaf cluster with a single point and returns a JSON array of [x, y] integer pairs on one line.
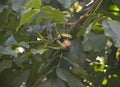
[[32, 49]]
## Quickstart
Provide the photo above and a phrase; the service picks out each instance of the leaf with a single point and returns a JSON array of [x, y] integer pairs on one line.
[[5, 64], [75, 53], [8, 51], [86, 24], [20, 60], [17, 5], [27, 17], [66, 3], [3, 37], [2, 7], [23, 77], [112, 29], [39, 20], [10, 40], [4, 18], [47, 1], [22, 44], [53, 13], [97, 27], [34, 4], [95, 42], [61, 75], [105, 81], [72, 80], [13, 22], [59, 83], [116, 2], [80, 72], [41, 51], [52, 82]]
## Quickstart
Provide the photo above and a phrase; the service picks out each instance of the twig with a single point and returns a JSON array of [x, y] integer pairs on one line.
[[84, 16]]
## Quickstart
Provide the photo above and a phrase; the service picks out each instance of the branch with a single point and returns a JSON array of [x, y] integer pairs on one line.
[[84, 16]]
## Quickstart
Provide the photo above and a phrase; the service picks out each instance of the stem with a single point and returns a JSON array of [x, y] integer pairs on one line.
[[11, 12], [98, 5], [61, 56]]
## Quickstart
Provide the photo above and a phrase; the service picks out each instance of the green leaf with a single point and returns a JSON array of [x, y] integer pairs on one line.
[[86, 24], [80, 72], [95, 42], [117, 2], [13, 22], [66, 3], [5, 64], [21, 78], [105, 81], [46, 83], [3, 37], [27, 17], [47, 1], [112, 29], [61, 75], [2, 7], [4, 18], [39, 20], [41, 51], [17, 5], [53, 13], [8, 51], [9, 41], [20, 60], [23, 44], [34, 4], [72, 80], [52, 82], [59, 83], [97, 27], [75, 54]]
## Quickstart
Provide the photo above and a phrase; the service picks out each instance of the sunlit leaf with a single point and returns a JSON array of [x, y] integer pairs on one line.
[[34, 4], [117, 2], [105, 81]]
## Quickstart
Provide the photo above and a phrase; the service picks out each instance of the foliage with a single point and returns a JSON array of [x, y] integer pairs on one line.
[[59, 43]]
